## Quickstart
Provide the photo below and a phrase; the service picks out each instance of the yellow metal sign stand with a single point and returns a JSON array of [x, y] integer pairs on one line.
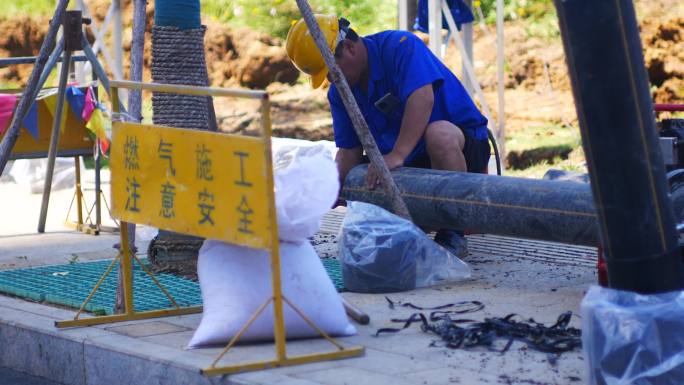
[[176, 167]]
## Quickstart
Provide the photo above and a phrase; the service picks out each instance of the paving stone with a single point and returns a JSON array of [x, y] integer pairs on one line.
[[190, 321], [146, 329], [343, 375], [272, 377], [177, 340], [389, 363], [454, 376]]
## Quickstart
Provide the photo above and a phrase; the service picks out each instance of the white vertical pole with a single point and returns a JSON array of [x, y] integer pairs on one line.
[[406, 14], [435, 27], [79, 67], [402, 15], [500, 132], [118, 45], [118, 40], [469, 69], [468, 44]]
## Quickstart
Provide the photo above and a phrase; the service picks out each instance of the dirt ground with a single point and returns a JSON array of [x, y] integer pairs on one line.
[[537, 85]]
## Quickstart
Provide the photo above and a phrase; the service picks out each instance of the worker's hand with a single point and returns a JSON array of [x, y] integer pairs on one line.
[[392, 160]]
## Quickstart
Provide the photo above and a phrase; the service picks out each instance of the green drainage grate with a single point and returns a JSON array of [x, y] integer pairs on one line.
[[332, 267], [69, 285]]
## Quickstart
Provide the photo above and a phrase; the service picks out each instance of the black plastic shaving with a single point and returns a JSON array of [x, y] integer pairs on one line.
[[462, 307], [558, 338]]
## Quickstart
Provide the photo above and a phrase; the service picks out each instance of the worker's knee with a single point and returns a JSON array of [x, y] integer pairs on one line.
[[443, 137]]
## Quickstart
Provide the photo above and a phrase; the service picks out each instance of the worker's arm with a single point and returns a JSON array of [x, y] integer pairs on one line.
[[413, 125]]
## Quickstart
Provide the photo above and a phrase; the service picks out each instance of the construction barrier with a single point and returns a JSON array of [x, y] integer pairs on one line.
[[206, 184]]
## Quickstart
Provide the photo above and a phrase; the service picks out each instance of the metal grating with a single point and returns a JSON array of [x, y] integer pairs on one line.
[[542, 251], [69, 285], [332, 267]]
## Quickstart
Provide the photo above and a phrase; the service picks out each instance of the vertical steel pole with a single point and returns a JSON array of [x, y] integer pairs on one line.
[[501, 110], [468, 45], [54, 139], [98, 166], [118, 44], [118, 39], [98, 187], [79, 192], [406, 14], [435, 27]]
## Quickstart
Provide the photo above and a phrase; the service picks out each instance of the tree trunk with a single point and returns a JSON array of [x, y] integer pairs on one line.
[[178, 58]]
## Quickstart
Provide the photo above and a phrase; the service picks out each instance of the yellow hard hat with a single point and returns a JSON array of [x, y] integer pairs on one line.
[[302, 49]]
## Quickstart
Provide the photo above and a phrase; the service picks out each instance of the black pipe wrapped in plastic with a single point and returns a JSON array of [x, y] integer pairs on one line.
[[615, 110], [528, 208]]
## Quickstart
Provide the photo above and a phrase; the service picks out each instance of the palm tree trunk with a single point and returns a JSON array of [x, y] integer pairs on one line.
[[178, 58]]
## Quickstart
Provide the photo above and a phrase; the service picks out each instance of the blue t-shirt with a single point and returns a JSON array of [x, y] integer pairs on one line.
[[400, 63]]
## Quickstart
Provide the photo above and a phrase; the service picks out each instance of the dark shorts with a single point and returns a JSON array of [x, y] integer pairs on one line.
[[476, 152]]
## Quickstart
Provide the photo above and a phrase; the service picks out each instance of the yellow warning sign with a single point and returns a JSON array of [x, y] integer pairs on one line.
[[193, 182]]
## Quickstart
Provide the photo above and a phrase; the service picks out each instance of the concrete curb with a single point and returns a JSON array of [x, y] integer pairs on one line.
[[84, 356]]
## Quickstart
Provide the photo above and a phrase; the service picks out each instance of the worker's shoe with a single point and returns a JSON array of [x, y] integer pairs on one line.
[[453, 241]]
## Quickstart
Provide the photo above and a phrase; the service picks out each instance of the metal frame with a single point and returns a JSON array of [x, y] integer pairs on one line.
[[464, 42], [87, 225], [113, 17], [125, 258], [79, 225]]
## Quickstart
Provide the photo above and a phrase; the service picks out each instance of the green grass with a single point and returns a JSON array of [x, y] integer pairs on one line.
[[33, 8], [542, 146], [538, 170], [275, 16], [367, 16], [543, 136]]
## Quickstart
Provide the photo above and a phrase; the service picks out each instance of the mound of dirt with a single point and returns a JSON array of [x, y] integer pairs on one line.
[[20, 36], [664, 57], [246, 58]]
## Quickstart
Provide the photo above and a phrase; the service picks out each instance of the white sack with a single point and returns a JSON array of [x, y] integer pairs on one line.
[[306, 183], [236, 280]]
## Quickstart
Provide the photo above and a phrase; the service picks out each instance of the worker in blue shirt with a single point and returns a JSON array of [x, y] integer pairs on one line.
[[418, 112]]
